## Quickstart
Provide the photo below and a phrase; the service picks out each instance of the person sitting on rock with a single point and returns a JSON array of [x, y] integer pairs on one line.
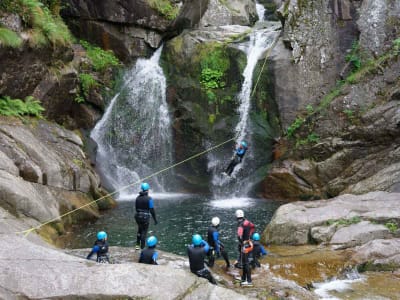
[[149, 255], [197, 253], [257, 252], [100, 247], [237, 159]]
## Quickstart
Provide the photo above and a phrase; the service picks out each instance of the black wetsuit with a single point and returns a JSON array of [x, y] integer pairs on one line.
[[197, 255], [240, 152], [245, 230], [149, 256], [215, 246], [100, 247], [144, 208], [258, 251]]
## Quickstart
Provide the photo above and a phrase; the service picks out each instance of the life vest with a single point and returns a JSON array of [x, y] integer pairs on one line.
[[247, 246], [210, 236], [142, 208], [196, 258], [146, 256]]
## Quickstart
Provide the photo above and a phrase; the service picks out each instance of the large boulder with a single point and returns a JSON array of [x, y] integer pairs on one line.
[[45, 173], [35, 271], [298, 222]]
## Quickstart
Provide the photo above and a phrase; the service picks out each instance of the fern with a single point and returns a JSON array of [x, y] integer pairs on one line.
[[18, 107], [9, 38]]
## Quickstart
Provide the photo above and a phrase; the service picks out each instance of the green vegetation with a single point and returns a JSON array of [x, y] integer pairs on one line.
[[165, 8], [295, 126], [17, 107], [100, 58], [214, 64], [87, 82], [361, 68], [9, 38], [391, 226], [345, 222], [44, 26]]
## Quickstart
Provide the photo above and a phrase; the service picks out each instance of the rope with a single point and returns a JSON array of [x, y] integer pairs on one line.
[[265, 60], [28, 231]]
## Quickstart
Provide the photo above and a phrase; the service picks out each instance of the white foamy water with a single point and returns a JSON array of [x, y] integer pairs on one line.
[[325, 289], [232, 202], [134, 135]]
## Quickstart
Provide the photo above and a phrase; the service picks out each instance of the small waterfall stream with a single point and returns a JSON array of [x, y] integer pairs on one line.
[[134, 136], [261, 41]]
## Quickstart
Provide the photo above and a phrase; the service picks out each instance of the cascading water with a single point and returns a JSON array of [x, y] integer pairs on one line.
[[261, 40], [134, 136]]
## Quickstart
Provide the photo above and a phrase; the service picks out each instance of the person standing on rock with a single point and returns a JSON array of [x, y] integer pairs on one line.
[[100, 247], [237, 159], [144, 208], [258, 251], [149, 255], [244, 232], [216, 246], [197, 252]]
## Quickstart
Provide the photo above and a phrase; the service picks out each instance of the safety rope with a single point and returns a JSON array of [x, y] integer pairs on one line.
[[28, 231], [265, 60]]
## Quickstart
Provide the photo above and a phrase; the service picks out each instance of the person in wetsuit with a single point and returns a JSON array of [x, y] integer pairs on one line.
[[237, 159], [244, 232], [197, 252], [216, 246], [144, 208], [258, 251], [149, 255], [100, 247]]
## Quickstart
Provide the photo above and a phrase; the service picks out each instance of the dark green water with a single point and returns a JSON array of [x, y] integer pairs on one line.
[[179, 217]]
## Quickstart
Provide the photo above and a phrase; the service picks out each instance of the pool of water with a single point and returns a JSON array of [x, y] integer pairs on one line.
[[179, 217]]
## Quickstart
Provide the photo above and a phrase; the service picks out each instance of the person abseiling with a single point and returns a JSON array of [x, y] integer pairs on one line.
[[244, 232], [216, 246], [100, 247], [197, 252], [149, 255], [238, 157], [144, 208], [258, 251]]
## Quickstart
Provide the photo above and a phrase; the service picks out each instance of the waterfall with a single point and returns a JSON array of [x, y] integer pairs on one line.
[[260, 11], [134, 135], [261, 40]]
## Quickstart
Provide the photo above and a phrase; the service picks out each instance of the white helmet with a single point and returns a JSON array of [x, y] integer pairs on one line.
[[239, 213], [215, 221]]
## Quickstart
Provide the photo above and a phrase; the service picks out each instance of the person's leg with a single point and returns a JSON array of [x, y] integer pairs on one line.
[[143, 234], [246, 268], [231, 166], [211, 258], [225, 256]]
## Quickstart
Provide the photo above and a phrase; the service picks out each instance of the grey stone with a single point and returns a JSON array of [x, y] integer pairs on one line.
[[360, 233], [291, 223]]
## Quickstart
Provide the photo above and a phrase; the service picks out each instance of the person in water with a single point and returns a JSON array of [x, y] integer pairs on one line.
[[216, 246], [100, 247], [237, 158], [244, 232], [149, 255], [144, 208], [197, 252], [258, 251]]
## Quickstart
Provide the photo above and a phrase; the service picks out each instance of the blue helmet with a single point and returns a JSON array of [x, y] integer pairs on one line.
[[244, 144], [151, 241], [145, 186], [101, 235], [196, 239], [256, 237]]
